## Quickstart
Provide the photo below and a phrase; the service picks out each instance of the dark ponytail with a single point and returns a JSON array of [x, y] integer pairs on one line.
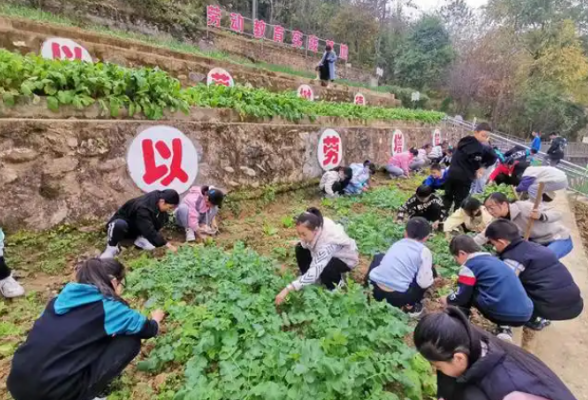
[[99, 273], [440, 335], [311, 218], [204, 190]]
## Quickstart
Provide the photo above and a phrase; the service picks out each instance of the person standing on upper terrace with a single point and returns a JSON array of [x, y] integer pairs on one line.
[[327, 66]]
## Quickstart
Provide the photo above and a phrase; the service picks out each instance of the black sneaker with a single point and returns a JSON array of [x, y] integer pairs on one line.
[[504, 333], [538, 324], [415, 311]]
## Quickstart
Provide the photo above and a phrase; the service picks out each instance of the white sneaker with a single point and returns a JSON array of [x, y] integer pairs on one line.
[[144, 244], [100, 398], [190, 235], [505, 333], [110, 252], [10, 288]]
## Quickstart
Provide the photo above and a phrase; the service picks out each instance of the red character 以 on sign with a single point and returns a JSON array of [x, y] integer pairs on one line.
[[297, 39], [213, 16], [331, 150], [259, 29], [167, 174], [278, 34]]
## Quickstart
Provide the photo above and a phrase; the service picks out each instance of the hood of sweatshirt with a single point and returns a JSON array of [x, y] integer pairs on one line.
[[76, 295]]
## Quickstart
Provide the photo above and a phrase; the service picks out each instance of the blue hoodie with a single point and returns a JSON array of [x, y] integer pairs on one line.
[[436, 183], [68, 338]]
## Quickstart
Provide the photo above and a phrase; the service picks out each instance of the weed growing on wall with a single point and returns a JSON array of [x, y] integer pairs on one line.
[[225, 329]]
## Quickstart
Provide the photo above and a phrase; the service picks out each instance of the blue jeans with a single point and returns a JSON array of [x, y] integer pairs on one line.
[[561, 248]]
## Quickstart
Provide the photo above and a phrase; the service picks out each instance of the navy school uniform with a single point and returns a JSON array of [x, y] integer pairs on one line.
[[80, 343]]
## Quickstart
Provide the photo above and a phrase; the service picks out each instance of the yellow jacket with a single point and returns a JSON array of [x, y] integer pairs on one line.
[[477, 224]]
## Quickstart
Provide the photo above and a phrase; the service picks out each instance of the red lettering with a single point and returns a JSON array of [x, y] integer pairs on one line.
[[313, 43], [278, 34], [56, 50], [175, 169], [331, 150], [213, 16], [154, 172], [297, 39]]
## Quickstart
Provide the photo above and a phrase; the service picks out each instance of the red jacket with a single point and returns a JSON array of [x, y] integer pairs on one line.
[[502, 169]]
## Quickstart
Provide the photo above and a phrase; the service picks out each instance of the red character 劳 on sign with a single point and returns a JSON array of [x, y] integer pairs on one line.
[[331, 148], [213, 16], [297, 39], [313, 43], [237, 22], [343, 51], [154, 172], [259, 29], [279, 34]]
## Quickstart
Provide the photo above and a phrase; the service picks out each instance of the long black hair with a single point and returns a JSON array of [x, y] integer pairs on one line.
[[439, 336], [100, 273], [312, 218]]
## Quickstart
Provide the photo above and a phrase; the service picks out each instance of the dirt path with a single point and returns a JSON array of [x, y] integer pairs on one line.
[[564, 345]]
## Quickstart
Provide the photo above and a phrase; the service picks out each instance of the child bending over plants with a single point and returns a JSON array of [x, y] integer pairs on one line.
[[325, 253], [488, 284], [198, 211], [84, 339], [360, 179], [9, 287], [473, 365], [424, 204], [140, 220], [437, 178], [405, 272], [471, 217], [334, 182], [548, 282]]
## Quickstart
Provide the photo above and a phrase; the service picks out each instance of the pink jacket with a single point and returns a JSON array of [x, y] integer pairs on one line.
[[196, 204], [402, 160]]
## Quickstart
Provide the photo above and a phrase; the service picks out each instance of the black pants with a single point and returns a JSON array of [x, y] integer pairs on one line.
[[96, 378], [413, 295], [4, 270], [488, 315], [118, 230], [339, 187], [432, 213], [505, 179], [456, 191], [331, 275]]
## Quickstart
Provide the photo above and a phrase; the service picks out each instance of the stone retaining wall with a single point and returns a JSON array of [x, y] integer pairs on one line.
[[67, 170]]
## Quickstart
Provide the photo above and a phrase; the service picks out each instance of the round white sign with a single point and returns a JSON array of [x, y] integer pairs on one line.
[[219, 76], [305, 91], [397, 142], [330, 150], [437, 137], [64, 49], [359, 99], [161, 157]]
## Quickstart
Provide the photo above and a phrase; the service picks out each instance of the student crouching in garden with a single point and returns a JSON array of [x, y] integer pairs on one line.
[[471, 217], [84, 339], [547, 230], [437, 178], [334, 182], [424, 204], [9, 287], [552, 178], [361, 175], [140, 220], [486, 283], [473, 365], [325, 253], [405, 272], [548, 283], [198, 211], [399, 164]]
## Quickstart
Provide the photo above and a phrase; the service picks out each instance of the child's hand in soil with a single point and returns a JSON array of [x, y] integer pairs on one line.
[[171, 247], [158, 316]]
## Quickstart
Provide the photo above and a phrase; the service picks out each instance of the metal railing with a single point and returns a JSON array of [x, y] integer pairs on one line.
[[577, 175]]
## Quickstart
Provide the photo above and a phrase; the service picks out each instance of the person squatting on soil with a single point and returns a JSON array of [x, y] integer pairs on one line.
[[9, 287], [198, 211], [509, 172], [399, 164], [548, 282], [140, 220], [469, 162], [361, 175], [438, 152], [473, 365], [421, 159], [471, 217], [437, 178], [325, 253], [405, 272], [546, 230], [552, 178], [84, 339], [425, 203], [334, 182], [488, 284]]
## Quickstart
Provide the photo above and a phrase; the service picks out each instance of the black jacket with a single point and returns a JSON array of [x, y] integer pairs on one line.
[[547, 281], [470, 156], [556, 150], [144, 218], [504, 369]]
